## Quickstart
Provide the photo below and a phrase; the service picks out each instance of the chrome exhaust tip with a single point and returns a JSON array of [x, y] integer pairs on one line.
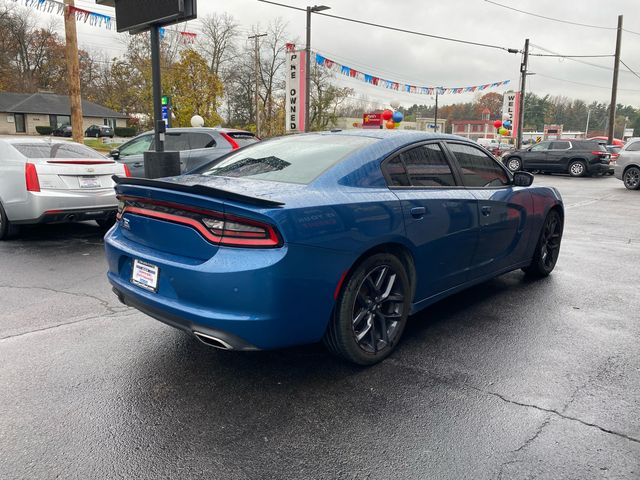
[[212, 341]]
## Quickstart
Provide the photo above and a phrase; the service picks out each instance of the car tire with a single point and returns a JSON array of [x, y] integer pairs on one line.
[[631, 178], [514, 164], [371, 311], [7, 230], [548, 247], [577, 168]]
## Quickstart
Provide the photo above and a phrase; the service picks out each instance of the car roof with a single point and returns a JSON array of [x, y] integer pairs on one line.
[[31, 139], [204, 130]]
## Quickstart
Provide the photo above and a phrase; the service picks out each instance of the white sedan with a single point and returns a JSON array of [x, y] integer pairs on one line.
[[45, 180]]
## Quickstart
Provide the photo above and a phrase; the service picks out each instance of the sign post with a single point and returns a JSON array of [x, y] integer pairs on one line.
[[136, 16]]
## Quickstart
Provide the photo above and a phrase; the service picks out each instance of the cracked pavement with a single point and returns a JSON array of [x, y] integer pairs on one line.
[[511, 379]]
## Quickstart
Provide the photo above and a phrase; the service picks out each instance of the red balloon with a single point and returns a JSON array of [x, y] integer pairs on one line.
[[387, 114], [390, 124], [497, 123]]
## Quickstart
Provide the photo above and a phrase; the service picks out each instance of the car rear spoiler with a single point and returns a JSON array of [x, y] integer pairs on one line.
[[197, 189]]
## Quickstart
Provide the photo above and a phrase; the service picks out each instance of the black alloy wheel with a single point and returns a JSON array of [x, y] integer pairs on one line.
[[577, 169], [514, 164], [631, 178], [371, 311], [548, 246]]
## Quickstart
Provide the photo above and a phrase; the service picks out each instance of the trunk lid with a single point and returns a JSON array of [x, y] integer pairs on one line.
[[76, 174]]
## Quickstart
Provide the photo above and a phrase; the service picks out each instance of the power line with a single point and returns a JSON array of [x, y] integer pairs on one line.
[[550, 18], [395, 29], [569, 56], [583, 84], [628, 68]]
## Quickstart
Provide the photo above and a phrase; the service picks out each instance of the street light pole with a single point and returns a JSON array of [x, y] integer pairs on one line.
[[307, 64], [435, 120], [586, 130]]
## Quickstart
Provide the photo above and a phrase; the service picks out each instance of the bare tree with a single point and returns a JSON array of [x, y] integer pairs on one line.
[[218, 44]]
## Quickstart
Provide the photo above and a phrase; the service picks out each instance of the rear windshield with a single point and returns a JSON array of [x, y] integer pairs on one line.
[[55, 150], [292, 159], [243, 138]]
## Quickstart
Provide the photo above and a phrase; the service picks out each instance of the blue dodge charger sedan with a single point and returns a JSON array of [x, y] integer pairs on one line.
[[333, 236]]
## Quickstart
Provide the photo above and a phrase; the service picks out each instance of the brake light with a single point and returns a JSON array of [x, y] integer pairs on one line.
[[599, 153], [127, 172], [228, 138], [217, 227], [31, 177]]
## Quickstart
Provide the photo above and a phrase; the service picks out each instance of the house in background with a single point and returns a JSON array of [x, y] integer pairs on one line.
[[475, 129], [21, 113]]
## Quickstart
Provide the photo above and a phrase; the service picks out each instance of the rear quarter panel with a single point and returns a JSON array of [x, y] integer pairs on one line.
[[13, 191]]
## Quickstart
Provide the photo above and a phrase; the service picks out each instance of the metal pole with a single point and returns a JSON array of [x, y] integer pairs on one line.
[[586, 130], [257, 75], [523, 87], [159, 126], [73, 71], [614, 87], [435, 120], [307, 73]]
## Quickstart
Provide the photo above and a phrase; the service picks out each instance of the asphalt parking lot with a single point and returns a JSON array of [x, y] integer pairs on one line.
[[512, 379]]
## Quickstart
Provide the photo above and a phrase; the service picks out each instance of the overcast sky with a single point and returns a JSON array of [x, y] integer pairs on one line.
[[430, 62]]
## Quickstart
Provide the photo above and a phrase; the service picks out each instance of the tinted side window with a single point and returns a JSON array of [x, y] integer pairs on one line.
[[200, 140], [176, 141], [427, 167], [137, 146], [396, 173], [560, 146], [540, 146], [634, 147], [478, 169]]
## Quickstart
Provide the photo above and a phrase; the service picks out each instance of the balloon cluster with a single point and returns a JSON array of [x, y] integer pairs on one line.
[[504, 127], [392, 118]]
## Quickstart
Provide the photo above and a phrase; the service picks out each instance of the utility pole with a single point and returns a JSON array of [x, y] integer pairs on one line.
[[523, 86], [614, 87], [257, 75], [586, 130], [307, 64], [73, 71]]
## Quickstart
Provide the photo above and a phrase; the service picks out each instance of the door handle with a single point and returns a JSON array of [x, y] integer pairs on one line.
[[486, 210], [418, 212]]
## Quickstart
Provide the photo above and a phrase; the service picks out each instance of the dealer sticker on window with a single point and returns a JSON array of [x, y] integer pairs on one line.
[[145, 275]]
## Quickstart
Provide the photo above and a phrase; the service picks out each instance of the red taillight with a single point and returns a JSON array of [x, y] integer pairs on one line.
[[127, 172], [31, 176], [217, 227], [234, 144], [601, 154], [241, 232]]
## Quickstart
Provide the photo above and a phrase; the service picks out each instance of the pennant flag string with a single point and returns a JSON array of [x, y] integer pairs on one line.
[[95, 19], [337, 68]]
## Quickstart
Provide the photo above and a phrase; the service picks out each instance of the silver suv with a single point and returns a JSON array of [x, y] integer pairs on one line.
[[628, 167]]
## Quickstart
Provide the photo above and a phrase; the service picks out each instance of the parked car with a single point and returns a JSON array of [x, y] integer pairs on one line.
[[98, 131], [336, 236], [62, 131], [488, 143], [605, 140], [47, 181], [627, 166], [575, 157], [614, 150], [197, 146]]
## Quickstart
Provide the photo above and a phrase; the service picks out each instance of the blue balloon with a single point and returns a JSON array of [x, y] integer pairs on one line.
[[397, 117], [506, 124]]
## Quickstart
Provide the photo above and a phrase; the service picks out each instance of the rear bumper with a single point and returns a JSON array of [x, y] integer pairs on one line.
[[60, 206], [598, 168], [250, 298]]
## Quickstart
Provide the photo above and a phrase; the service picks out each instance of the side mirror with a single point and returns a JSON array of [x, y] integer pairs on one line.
[[115, 154], [522, 179]]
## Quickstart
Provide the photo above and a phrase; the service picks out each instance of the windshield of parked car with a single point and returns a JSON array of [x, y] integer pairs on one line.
[[292, 159], [55, 150]]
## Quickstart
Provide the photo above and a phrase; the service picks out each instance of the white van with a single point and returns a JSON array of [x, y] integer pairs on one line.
[[489, 142]]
